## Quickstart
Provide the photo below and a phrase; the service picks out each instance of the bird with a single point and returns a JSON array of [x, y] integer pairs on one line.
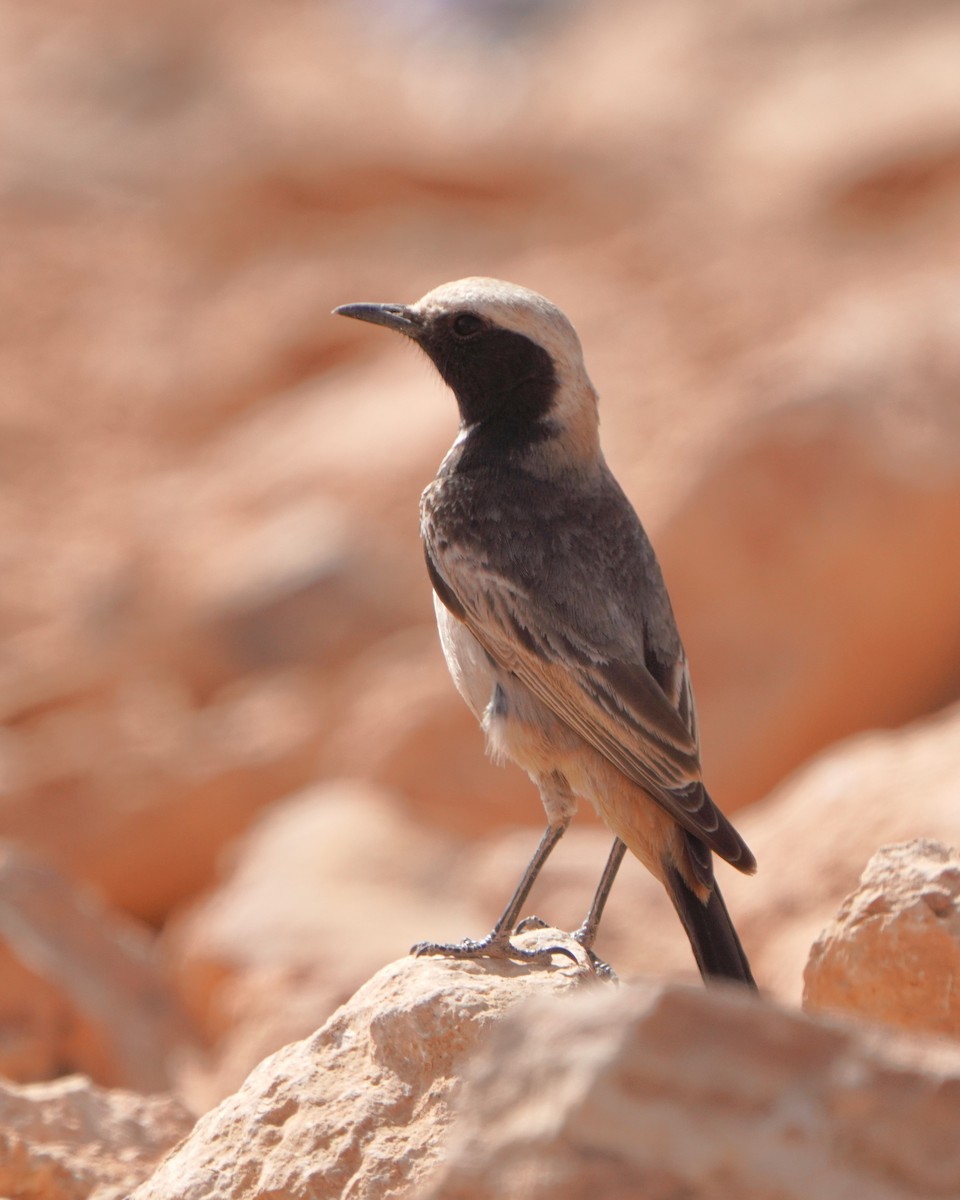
[[553, 614]]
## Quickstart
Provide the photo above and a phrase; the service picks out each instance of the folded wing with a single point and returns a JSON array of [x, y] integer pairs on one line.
[[611, 699]]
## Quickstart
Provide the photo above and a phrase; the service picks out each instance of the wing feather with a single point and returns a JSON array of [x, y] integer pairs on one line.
[[613, 702]]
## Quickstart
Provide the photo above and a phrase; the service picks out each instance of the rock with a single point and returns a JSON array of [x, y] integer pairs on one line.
[[436, 1081], [71, 1140], [662, 1091], [220, 649], [82, 987], [362, 1104], [893, 952], [814, 835], [323, 890]]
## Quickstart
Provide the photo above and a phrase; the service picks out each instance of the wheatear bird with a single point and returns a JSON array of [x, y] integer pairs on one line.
[[553, 614]]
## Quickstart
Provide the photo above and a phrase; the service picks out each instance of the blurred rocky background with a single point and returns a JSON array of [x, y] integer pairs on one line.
[[235, 779]]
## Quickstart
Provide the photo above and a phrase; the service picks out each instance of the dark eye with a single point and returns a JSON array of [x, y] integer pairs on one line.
[[466, 324]]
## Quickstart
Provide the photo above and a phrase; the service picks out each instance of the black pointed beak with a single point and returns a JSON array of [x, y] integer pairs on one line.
[[393, 316]]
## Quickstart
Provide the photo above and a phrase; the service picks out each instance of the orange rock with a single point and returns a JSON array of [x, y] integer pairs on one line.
[[70, 1139], [893, 952], [81, 987], [221, 649]]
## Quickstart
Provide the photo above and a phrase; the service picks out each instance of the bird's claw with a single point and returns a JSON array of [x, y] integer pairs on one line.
[[529, 923], [602, 969]]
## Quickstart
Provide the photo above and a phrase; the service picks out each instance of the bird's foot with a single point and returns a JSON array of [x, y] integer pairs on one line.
[[495, 945], [585, 936]]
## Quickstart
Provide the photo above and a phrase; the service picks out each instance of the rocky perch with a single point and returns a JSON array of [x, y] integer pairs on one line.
[[447, 1080], [576, 1088]]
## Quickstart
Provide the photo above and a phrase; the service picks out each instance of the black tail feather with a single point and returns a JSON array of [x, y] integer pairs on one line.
[[713, 938]]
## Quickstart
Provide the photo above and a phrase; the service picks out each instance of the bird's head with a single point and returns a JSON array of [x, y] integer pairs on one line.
[[513, 361]]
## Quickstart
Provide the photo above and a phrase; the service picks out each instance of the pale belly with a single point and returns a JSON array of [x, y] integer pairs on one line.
[[562, 765]]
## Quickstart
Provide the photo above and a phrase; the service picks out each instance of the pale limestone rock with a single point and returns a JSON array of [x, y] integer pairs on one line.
[[71, 1140], [893, 952], [462, 1081], [361, 1107], [666, 1091], [82, 988]]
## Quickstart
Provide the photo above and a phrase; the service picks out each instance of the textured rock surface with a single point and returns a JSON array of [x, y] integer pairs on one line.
[[70, 1140], [653, 1090], [665, 1091], [361, 1107], [893, 952], [81, 988]]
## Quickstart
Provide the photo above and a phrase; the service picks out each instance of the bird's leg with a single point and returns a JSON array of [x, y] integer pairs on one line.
[[497, 943], [586, 934]]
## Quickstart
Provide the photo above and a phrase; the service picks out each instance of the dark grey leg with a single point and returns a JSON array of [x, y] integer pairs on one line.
[[587, 933], [497, 943]]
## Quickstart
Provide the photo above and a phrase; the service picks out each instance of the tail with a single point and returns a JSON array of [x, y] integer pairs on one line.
[[713, 938]]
